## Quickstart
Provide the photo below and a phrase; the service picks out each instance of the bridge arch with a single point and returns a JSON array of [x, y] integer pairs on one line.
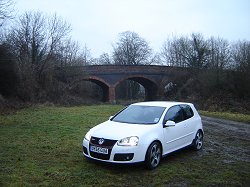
[[103, 84], [149, 85], [100, 82]]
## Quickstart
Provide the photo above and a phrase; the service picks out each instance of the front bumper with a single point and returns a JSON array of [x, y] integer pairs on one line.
[[116, 154]]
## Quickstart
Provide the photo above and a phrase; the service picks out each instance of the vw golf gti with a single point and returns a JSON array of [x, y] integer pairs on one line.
[[145, 132]]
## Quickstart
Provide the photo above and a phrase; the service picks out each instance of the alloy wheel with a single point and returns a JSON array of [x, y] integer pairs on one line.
[[199, 140]]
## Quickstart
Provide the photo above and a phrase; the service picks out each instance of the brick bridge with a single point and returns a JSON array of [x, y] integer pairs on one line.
[[108, 77]]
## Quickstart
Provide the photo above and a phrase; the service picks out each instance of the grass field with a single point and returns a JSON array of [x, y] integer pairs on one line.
[[228, 115], [42, 146]]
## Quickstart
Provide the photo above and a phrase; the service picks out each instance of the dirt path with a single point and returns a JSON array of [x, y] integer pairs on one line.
[[228, 139]]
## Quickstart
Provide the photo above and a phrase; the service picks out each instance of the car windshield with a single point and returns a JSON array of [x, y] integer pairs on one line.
[[139, 114]]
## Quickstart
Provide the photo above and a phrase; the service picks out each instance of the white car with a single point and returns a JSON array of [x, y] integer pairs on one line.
[[145, 132]]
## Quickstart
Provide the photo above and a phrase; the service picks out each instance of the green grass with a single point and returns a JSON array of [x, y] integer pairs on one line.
[[228, 115], [41, 146]]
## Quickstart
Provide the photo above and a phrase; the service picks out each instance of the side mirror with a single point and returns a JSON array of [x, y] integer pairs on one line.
[[111, 117], [169, 124]]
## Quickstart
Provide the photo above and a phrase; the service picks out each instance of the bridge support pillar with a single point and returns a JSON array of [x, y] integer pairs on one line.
[[112, 94]]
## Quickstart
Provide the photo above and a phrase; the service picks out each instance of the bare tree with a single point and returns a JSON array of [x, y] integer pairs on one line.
[[6, 10], [39, 43], [189, 52], [218, 61], [8, 72], [86, 56], [131, 49], [104, 59], [68, 54], [36, 39], [219, 54], [171, 52], [241, 59], [156, 59], [215, 78], [241, 56]]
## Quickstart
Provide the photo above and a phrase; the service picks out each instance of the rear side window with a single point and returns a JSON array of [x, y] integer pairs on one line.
[[187, 111], [175, 114]]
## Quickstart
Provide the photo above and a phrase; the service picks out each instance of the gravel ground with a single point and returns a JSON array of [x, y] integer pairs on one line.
[[228, 139]]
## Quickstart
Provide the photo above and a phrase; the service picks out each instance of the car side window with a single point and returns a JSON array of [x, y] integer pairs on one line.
[[175, 114], [187, 111]]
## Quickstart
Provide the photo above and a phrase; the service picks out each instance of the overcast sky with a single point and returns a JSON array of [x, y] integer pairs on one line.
[[97, 23]]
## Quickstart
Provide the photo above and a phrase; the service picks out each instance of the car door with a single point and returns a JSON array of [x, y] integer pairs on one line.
[[190, 123], [173, 135]]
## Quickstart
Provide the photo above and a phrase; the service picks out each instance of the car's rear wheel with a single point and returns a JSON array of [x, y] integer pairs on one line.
[[153, 155], [198, 141]]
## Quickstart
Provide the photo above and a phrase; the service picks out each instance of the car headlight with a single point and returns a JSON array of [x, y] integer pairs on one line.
[[88, 136], [128, 141]]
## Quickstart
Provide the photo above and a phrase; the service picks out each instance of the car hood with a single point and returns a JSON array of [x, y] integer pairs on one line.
[[116, 131]]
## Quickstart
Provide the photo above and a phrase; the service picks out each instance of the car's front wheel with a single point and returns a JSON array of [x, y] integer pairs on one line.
[[198, 141], [153, 155]]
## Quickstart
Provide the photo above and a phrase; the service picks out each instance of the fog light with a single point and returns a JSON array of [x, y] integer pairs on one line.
[[123, 157], [85, 150]]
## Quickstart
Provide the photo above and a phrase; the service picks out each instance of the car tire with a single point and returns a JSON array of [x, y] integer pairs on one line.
[[153, 155], [198, 141]]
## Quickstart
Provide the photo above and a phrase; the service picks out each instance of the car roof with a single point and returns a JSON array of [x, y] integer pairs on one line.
[[166, 104]]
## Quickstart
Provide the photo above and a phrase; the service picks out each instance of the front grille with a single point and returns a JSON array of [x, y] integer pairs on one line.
[[107, 143]]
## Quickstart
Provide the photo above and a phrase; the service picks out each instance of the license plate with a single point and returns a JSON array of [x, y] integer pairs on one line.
[[101, 150]]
